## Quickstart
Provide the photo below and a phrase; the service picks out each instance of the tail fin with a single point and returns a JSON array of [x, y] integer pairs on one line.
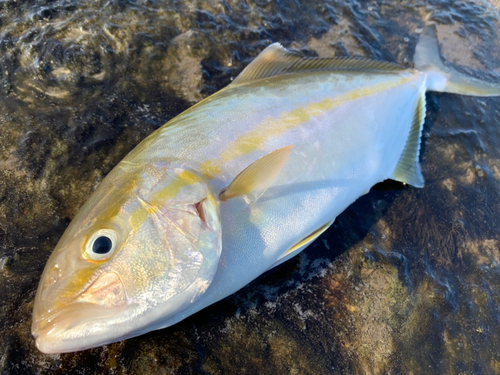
[[443, 78]]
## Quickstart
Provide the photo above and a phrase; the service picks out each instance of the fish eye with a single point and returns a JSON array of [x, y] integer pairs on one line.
[[101, 244]]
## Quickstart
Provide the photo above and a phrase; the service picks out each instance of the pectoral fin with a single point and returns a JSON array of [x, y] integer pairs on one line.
[[257, 177]]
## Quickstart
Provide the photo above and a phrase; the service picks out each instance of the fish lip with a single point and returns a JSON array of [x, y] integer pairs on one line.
[[46, 314], [44, 327], [56, 325], [43, 311], [56, 334], [42, 323]]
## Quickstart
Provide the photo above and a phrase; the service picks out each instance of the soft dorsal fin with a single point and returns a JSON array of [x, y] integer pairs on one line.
[[276, 60], [254, 180]]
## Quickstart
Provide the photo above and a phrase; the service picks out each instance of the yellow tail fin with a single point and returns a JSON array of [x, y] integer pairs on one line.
[[444, 78]]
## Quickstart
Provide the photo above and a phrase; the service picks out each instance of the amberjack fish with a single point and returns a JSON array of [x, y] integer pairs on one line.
[[232, 187]]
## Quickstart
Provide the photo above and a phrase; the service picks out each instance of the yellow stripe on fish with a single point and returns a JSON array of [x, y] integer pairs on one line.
[[272, 128]]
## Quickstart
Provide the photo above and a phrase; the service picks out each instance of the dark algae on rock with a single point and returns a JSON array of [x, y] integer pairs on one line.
[[405, 282]]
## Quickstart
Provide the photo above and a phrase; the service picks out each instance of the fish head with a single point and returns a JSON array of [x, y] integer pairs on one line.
[[142, 249]]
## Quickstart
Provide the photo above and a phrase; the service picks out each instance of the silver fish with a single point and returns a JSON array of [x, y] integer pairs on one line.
[[234, 186]]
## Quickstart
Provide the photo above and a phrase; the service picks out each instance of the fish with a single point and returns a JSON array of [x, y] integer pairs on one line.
[[234, 186]]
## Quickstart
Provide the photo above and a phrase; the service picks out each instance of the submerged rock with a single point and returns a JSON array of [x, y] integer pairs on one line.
[[405, 281]]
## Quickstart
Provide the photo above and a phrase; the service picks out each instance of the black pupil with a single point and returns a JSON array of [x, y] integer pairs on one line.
[[102, 245]]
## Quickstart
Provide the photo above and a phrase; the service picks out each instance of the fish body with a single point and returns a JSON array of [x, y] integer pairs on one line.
[[232, 187], [343, 144]]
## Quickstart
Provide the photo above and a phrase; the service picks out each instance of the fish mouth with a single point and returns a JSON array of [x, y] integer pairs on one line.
[[66, 328], [72, 327]]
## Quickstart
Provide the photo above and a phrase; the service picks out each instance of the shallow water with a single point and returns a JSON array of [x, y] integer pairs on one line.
[[407, 281]]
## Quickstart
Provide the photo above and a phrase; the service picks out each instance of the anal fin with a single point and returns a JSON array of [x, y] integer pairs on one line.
[[408, 168]]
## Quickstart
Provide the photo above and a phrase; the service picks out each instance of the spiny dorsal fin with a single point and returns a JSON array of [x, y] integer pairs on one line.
[[408, 168], [276, 60], [254, 180]]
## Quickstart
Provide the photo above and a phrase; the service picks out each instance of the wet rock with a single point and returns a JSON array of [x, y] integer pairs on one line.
[[183, 65], [405, 281]]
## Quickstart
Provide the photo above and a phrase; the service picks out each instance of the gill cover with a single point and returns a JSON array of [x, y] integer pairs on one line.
[[143, 248]]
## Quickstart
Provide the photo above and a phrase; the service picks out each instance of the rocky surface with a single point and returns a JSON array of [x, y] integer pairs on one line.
[[406, 281]]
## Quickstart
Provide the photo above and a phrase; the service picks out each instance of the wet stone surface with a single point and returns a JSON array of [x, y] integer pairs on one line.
[[406, 281]]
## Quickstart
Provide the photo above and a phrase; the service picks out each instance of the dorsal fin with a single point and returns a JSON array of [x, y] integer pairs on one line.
[[276, 60]]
